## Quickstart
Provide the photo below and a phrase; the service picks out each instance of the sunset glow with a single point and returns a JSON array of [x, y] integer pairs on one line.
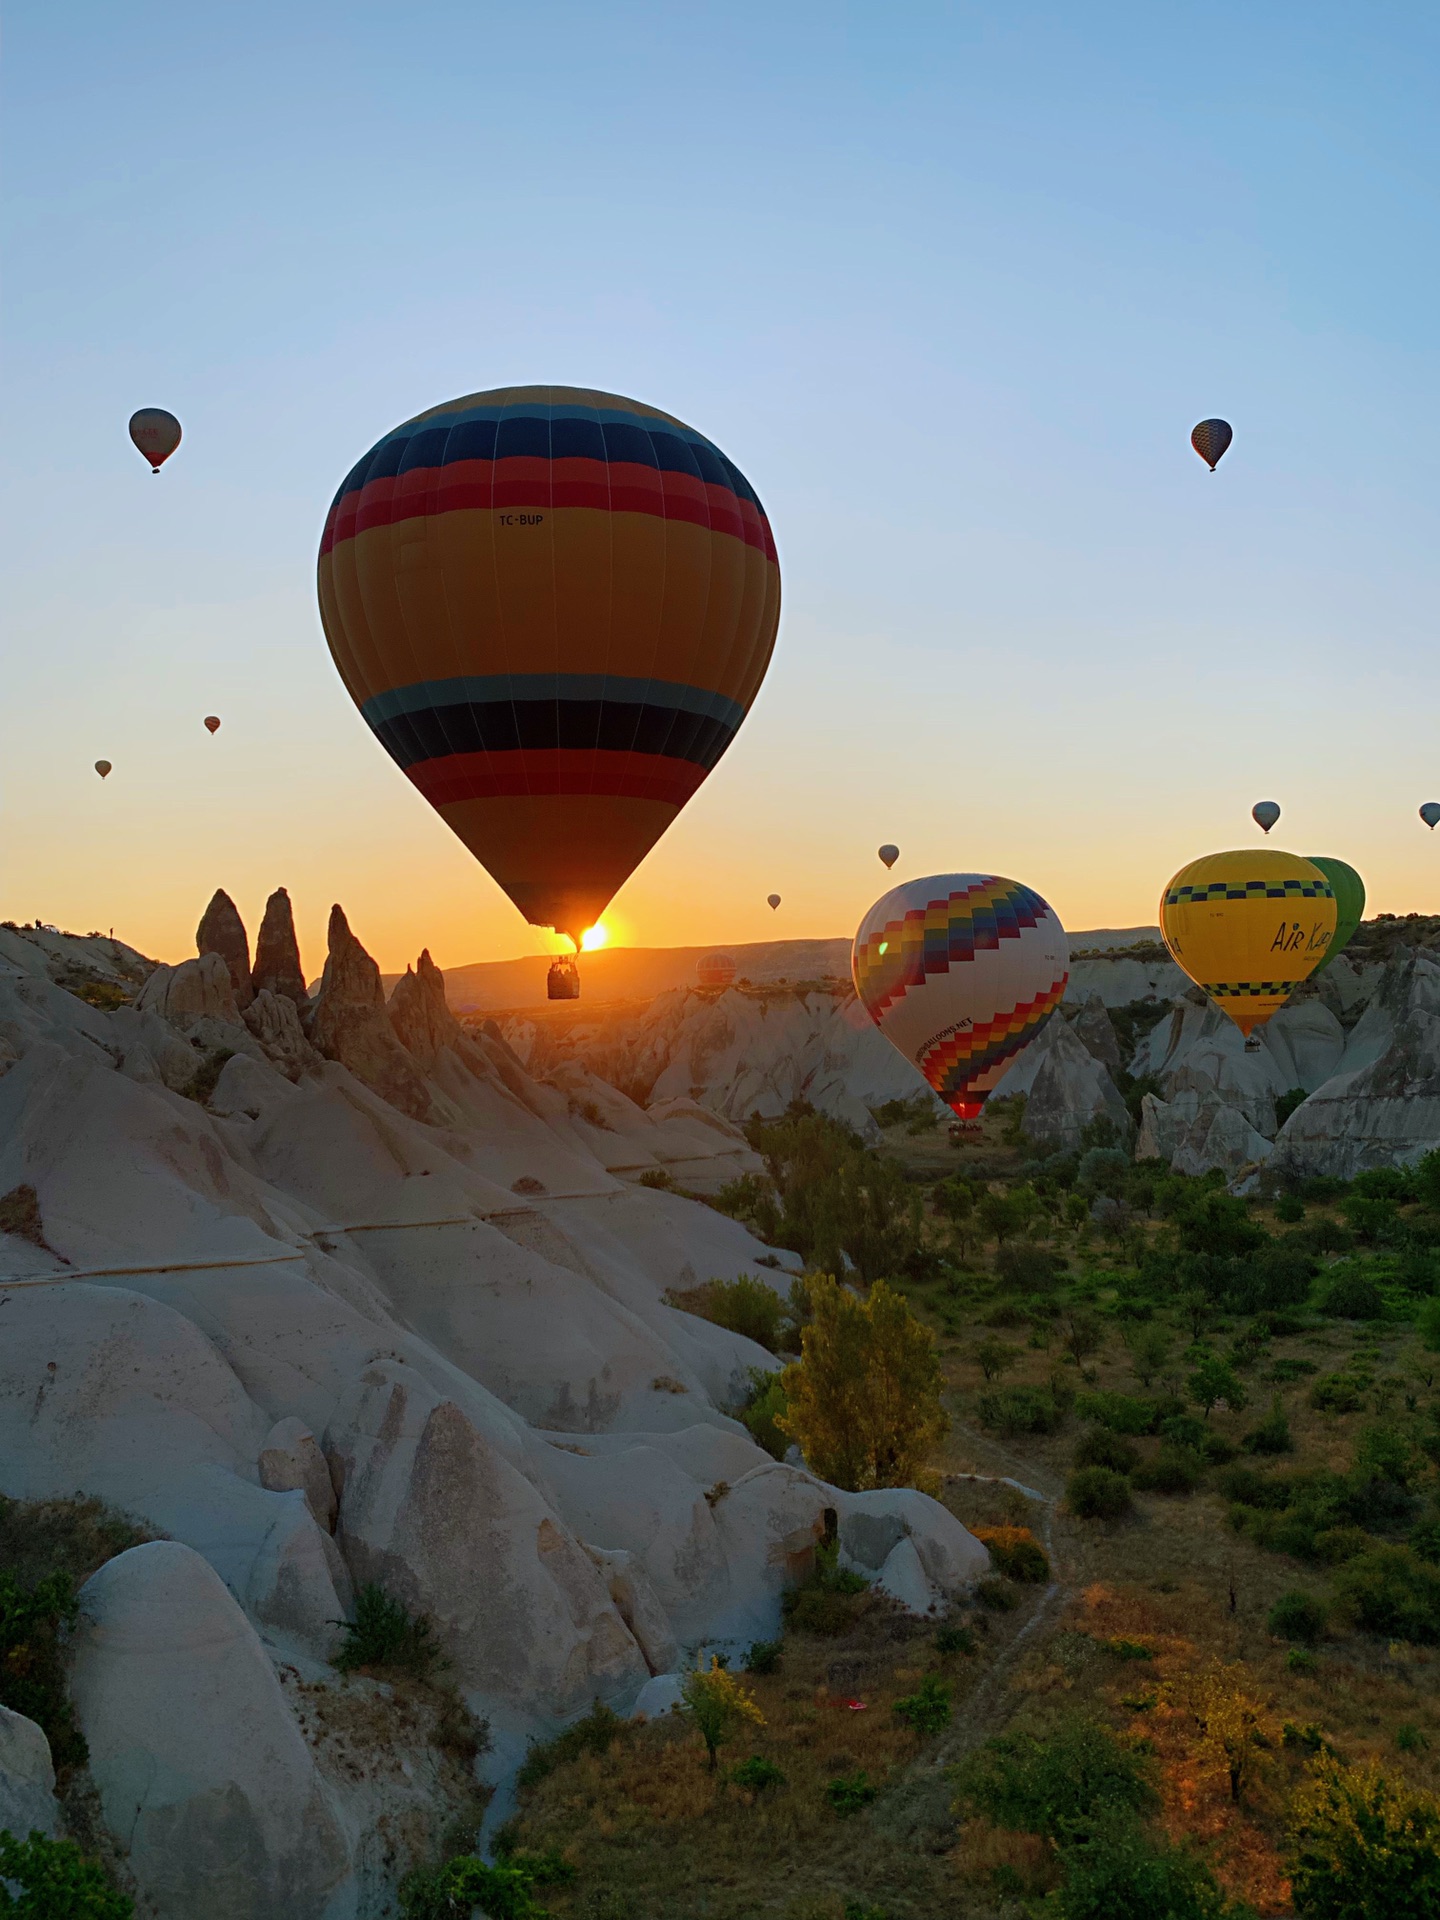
[[594, 937]]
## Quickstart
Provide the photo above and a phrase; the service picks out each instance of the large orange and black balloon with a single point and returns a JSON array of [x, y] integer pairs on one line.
[[554, 607]]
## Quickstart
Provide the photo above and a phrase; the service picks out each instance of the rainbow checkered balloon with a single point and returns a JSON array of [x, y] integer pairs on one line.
[[960, 972]]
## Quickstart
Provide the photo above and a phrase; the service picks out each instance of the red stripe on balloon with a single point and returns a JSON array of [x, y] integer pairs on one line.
[[529, 483], [575, 771]]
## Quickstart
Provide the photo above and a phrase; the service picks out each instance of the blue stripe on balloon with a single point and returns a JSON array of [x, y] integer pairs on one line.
[[613, 689]]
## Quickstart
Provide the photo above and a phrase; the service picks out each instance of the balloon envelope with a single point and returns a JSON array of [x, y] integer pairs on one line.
[[212, 723], [1265, 813], [1430, 813], [715, 969], [156, 433], [554, 608], [1210, 439], [960, 972], [102, 767], [772, 900], [889, 854], [1349, 891], [1248, 928]]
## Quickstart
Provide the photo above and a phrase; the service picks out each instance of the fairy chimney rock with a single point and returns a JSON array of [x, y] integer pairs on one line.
[[222, 931], [277, 952], [350, 1023], [421, 1018]]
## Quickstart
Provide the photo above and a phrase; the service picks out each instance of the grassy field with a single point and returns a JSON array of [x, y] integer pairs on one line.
[[1106, 1330]]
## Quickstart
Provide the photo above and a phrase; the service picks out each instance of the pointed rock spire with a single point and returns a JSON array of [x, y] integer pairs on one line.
[[350, 1024], [277, 952], [222, 931], [421, 1018]]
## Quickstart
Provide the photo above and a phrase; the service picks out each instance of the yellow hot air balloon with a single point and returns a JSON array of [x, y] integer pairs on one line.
[[1248, 928]]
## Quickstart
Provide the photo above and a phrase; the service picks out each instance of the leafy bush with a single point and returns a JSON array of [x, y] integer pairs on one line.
[[452, 1892], [1016, 1553], [998, 1595], [1391, 1591], [1336, 1393], [1128, 1413], [744, 1305], [1020, 1410], [1057, 1785], [757, 1773], [32, 1671], [828, 1195], [1367, 1846], [1097, 1493], [717, 1705], [1298, 1616], [1123, 1871], [55, 1881], [1212, 1380], [1097, 1447], [1253, 1489], [384, 1634], [927, 1710], [955, 1640], [595, 1733], [764, 1656], [850, 1792], [864, 1398], [1273, 1433], [1290, 1209], [1173, 1470], [763, 1411], [829, 1600], [1351, 1295], [1025, 1268]]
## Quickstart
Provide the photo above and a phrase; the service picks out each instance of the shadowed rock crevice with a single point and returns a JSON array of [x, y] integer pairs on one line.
[[350, 1024]]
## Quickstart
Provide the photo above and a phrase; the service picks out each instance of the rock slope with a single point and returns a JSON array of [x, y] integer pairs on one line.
[[325, 1293]]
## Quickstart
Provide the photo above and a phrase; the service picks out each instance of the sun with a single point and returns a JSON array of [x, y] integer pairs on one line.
[[592, 938]]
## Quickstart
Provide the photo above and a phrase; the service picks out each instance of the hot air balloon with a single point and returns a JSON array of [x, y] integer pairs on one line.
[[554, 608], [156, 433], [1248, 928], [1210, 439], [889, 854], [1349, 891], [102, 767], [772, 900], [1265, 813], [212, 723], [960, 972], [1430, 813], [715, 970]]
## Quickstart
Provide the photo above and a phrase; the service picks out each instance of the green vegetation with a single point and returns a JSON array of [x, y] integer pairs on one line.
[[53, 1880], [1097, 1493], [384, 1634], [717, 1705], [927, 1710], [851, 1793], [596, 1734], [1367, 1845], [749, 1306]]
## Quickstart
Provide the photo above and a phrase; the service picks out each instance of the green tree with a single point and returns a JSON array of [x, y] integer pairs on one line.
[[55, 1881], [1058, 1785], [1366, 1845], [718, 1704], [864, 1397], [1149, 1343], [994, 1357], [1213, 1380]]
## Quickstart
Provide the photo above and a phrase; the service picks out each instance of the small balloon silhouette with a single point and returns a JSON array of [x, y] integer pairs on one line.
[[212, 723], [1265, 813], [102, 767], [1430, 813], [1210, 439], [772, 900], [889, 854]]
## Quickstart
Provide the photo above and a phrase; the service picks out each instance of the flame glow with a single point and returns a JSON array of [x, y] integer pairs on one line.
[[593, 937]]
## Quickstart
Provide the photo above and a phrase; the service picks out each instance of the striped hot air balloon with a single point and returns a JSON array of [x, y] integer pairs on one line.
[[554, 608], [1248, 928], [960, 972]]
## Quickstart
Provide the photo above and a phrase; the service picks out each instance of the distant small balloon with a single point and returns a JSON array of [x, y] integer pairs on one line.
[[102, 767], [1210, 439], [1430, 813], [772, 900], [212, 723], [156, 433], [889, 854], [1265, 813]]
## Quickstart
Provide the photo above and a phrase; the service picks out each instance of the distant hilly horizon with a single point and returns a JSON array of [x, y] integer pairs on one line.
[[640, 973]]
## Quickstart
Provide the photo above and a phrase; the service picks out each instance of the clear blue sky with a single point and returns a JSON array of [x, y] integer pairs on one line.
[[950, 283]]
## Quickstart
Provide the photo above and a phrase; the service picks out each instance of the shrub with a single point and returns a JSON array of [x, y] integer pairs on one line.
[[1273, 1433], [452, 1892], [56, 1882], [927, 1710], [1025, 1268], [850, 1792], [1213, 1380], [1056, 1786], [1336, 1393], [595, 1733], [764, 1656], [1173, 1470], [1016, 1553], [32, 1671], [865, 1395], [829, 1600], [764, 1410], [1252, 1489], [1297, 1616], [1123, 1871], [1020, 1410], [206, 1076], [1351, 1296], [757, 1773], [1127, 1413], [994, 1357], [1097, 1447], [1391, 1591], [1289, 1207], [384, 1634], [744, 1305], [998, 1595], [1367, 1845], [955, 1640], [1097, 1493]]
